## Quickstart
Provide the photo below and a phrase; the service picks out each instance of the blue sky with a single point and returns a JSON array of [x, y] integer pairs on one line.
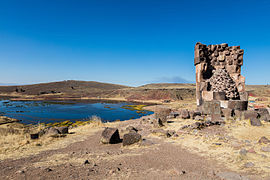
[[129, 42]]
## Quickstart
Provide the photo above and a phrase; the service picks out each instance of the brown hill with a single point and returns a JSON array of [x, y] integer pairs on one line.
[[70, 88]]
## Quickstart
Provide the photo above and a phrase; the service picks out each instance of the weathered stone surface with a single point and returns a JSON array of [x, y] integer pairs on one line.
[[157, 122], [264, 140], [195, 113], [227, 112], [131, 138], [199, 118], [219, 95], [250, 114], [222, 82], [238, 114], [53, 132], [162, 113], [264, 114], [62, 130], [211, 107], [218, 76], [185, 114], [110, 136], [265, 149], [255, 122], [238, 105], [34, 136], [131, 128]]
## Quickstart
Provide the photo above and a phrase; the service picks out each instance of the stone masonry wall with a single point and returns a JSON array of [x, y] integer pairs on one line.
[[218, 73]]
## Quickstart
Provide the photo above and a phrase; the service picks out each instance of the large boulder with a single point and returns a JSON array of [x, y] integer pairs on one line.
[[131, 138], [53, 132], [110, 136], [162, 113], [63, 130]]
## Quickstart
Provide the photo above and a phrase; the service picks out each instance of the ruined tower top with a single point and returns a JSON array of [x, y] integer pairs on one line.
[[218, 75]]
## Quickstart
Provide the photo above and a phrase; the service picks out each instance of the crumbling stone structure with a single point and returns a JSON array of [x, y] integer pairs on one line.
[[219, 83]]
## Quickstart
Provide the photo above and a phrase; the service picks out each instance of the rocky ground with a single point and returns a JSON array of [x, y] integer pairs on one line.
[[223, 151]]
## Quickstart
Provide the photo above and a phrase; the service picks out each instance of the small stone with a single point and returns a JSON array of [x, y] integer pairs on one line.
[[255, 122], [251, 150], [266, 149], [198, 118], [249, 165], [86, 162], [264, 140], [131, 128], [185, 114], [243, 152], [48, 169]]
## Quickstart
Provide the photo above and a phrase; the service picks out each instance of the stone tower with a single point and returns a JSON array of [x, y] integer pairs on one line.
[[218, 76]]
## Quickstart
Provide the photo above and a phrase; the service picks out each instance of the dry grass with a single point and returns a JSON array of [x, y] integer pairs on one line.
[[20, 145], [241, 132]]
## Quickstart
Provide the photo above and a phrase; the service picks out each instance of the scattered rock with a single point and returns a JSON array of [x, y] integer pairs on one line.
[[48, 169], [63, 130], [86, 162], [250, 114], [251, 150], [264, 140], [34, 136], [249, 165], [158, 122], [236, 145], [110, 136], [194, 114], [170, 133], [173, 115], [185, 114], [131, 138], [53, 132], [162, 132], [131, 128], [255, 122], [243, 152], [265, 149], [161, 114], [199, 118], [264, 114]]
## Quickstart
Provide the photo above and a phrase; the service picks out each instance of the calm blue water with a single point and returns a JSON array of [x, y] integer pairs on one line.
[[32, 112]]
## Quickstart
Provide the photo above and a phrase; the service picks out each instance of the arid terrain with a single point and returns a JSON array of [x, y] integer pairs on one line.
[[177, 150]]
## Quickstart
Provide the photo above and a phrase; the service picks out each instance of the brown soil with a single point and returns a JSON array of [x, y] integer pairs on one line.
[[153, 158]]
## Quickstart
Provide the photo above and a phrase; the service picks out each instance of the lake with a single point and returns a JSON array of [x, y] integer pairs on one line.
[[33, 112]]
